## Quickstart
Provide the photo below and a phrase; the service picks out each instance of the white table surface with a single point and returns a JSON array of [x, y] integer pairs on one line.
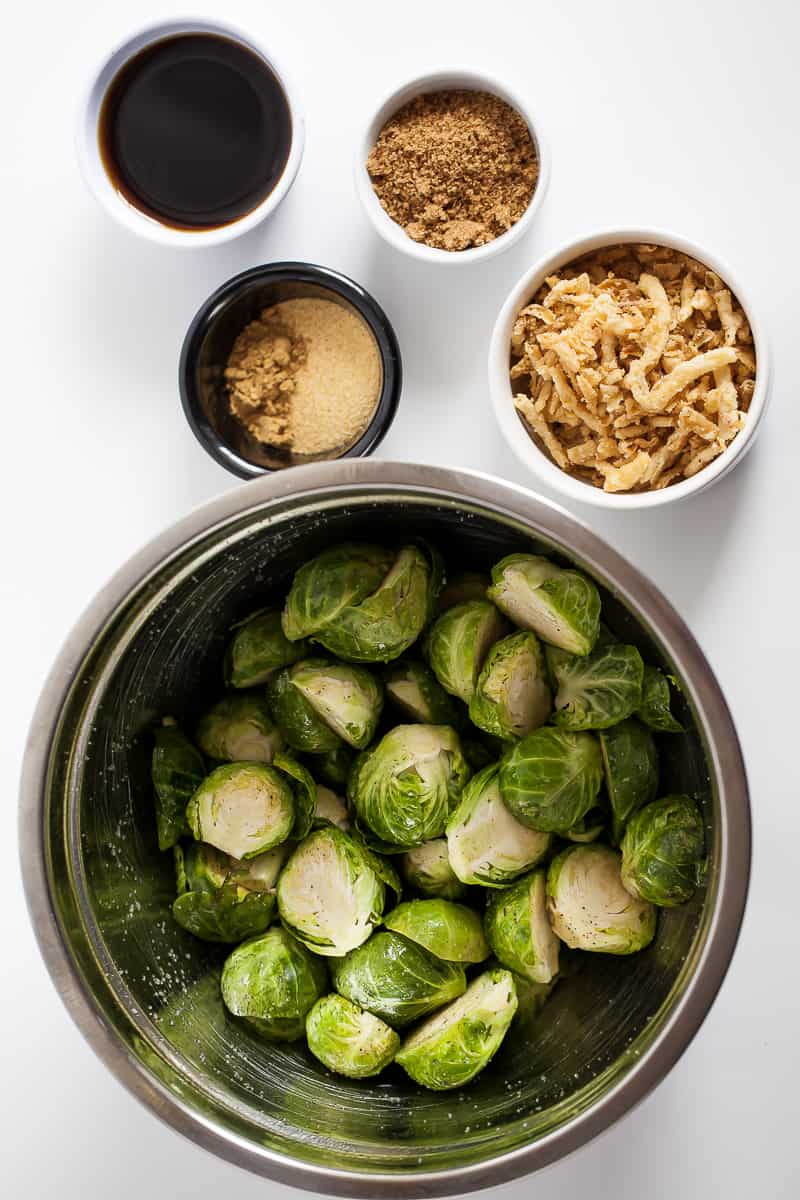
[[678, 115]]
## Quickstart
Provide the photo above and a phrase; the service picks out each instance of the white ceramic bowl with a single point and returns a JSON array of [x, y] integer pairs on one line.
[[541, 466], [95, 173], [393, 233]]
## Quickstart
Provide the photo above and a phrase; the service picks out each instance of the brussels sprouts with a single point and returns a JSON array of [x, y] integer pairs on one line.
[[259, 874], [396, 979], [485, 843], [330, 810], [333, 766], [551, 779], [599, 690], [304, 793], [519, 932], [630, 765], [451, 1047], [317, 703], [330, 583], [427, 869], [404, 788], [239, 728], [416, 691], [177, 770], [512, 695], [242, 809], [331, 892], [458, 642], [386, 623], [271, 982], [466, 585], [654, 709], [662, 851], [561, 606], [212, 903], [450, 931], [588, 906], [348, 1040], [258, 647]]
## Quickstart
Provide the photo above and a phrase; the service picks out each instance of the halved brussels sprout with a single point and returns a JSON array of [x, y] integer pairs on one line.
[[450, 931], [243, 809], [630, 764], [427, 869], [518, 929], [458, 642], [598, 690], [333, 766], [404, 788], [258, 647], [561, 606], [271, 982], [318, 703], [465, 585], [177, 770], [348, 1040], [588, 906], [416, 691], [485, 843], [331, 892], [239, 728], [663, 851], [654, 709], [330, 583], [330, 810], [212, 903], [454, 1045], [512, 695], [384, 625], [396, 979], [550, 780]]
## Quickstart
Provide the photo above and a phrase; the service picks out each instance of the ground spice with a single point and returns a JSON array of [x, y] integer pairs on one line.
[[304, 376], [455, 168]]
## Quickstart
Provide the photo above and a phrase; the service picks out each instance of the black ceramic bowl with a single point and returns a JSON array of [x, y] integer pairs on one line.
[[211, 336]]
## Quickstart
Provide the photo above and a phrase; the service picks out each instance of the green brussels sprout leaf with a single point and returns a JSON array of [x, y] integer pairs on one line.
[[551, 779], [630, 765], [258, 648], [271, 982], [561, 606], [332, 582], [348, 1040], [450, 931], [654, 709], [396, 979], [662, 851], [598, 690]]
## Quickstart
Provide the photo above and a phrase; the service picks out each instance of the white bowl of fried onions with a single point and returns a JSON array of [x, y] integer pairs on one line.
[[627, 369]]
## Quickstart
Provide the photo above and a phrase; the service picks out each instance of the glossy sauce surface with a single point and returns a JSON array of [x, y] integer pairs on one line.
[[195, 131]]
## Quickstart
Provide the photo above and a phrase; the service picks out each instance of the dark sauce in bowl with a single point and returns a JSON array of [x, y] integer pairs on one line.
[[195, 131]]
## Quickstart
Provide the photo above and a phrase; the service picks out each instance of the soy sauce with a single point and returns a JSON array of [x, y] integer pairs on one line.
[[195, 131]]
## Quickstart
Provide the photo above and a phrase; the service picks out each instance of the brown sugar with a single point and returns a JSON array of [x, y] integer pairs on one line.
[[455, 169]]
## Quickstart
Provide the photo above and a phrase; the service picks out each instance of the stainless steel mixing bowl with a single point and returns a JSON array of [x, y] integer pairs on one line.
[[144, 993]]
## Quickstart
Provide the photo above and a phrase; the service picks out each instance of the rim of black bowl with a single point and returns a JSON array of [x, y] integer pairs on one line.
[[296, 272]]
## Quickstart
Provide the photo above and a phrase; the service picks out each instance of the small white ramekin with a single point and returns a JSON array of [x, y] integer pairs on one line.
[[89, 150], [516, 434], [393, 233]]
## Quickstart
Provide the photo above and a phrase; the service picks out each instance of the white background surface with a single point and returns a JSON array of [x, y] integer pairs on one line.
[[680, 115]]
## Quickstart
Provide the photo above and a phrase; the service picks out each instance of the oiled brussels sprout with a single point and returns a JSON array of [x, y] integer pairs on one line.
[[242, 809], [216, 901], [177, 770], [396, 979], [518, 929], [485, 842], [512, 696], [630, 765], [271, 982], [334, 581], [461, 587], [663, 851], [427, 869], [588, 906], [458, 642], [416, 692], [239, 728], [654, 709], [319, 703], [454, 1045], [550, 780], [598, 690], [348, 1040], [404, 787], [331, 893], [258, 648], [561, 606], [450, 931]]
